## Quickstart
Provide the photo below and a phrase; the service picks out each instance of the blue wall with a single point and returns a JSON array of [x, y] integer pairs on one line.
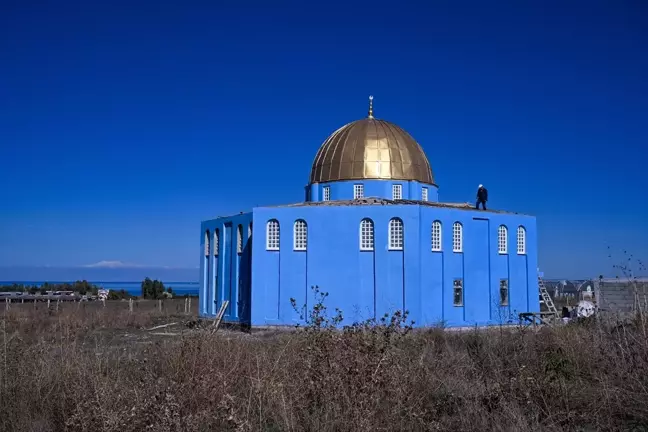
[[227, 275], [343, 190], [368, 284]]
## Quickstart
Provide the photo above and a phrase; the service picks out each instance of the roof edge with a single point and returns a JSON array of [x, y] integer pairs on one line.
[[375, 201]]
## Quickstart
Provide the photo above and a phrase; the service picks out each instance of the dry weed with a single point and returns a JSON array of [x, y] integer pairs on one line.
[[66, 371]]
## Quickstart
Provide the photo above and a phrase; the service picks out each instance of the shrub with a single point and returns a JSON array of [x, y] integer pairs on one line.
[[94, 369]]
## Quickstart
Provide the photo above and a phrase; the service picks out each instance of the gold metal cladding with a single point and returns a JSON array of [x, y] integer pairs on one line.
[[371, 149]]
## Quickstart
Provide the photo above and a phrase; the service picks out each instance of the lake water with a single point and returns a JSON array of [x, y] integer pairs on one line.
[[132, 288]]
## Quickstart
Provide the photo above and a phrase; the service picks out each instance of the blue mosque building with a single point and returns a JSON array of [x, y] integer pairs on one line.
[[372, 233]]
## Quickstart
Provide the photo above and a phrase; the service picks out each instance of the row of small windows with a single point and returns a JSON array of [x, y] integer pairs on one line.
[[358, 192], [216, 239], [300, 235], [502, 240], [458, 292], [396, 236], [457, 238]]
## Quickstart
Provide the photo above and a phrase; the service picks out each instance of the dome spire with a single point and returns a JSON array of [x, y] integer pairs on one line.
[[370, 107]]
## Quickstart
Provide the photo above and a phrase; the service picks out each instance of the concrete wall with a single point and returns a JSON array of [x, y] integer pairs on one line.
[[368, 284], [622, 297], [228, 274], [343, 190]]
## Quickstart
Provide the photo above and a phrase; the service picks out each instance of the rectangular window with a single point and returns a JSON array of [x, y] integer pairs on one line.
[[504, 292], [424, 194], [458, 292], [327, 193], [397, 192], [358, 191]]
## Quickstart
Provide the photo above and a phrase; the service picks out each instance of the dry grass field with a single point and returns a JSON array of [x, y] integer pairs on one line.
[[90, 368]]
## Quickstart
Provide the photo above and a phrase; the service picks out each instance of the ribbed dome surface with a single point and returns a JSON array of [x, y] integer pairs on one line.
[[371, 149]]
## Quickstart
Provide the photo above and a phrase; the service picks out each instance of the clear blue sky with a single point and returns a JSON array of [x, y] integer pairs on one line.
[[123, 124]]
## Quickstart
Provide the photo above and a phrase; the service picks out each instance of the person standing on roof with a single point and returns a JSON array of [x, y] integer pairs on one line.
[[482, 197]]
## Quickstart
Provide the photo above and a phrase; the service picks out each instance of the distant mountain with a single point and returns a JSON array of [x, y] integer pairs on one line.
[[106, 271]]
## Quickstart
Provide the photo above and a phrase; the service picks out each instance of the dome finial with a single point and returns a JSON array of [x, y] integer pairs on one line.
[[371, 107]]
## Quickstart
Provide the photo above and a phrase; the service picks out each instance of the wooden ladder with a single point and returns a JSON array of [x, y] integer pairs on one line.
[[219, 316], [546, 298]]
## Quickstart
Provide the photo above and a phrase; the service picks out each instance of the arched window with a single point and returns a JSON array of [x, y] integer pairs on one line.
[[216, 241], [272, 235], [395, 234], [300, 235], [521, 240], [502, 239], [207, 243], [436, 236], [366, 235], [457, 237], [239, 239]]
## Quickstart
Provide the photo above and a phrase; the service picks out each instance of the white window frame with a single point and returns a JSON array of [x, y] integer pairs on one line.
[[216, 242], [239, 239], [397, 191], [396, 234], [326, 193], [207, 243], [273, 235], [457, 284], [437, 236], [424, 194], [358, 191], [502, 240], [521, 240], [300, 235], [366, 235], [457, 237]]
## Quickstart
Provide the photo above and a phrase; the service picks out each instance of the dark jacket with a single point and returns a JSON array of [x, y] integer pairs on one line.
[[482, 194]]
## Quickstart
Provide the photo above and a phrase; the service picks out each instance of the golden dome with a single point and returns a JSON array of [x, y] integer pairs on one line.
[[370, 149]]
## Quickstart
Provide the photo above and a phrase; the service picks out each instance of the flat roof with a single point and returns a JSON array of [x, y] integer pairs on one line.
[[370, 201], [373, 201]]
